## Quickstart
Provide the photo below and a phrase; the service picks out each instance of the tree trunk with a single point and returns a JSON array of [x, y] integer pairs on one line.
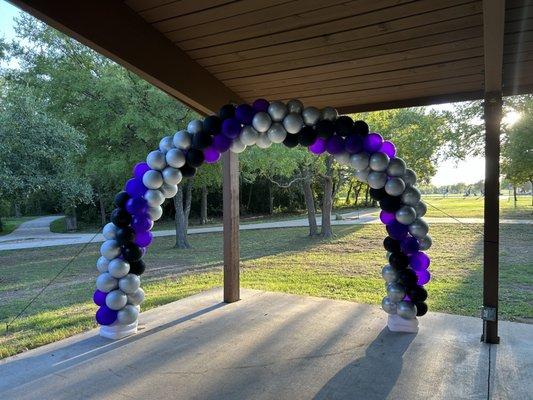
[[17, 210], [203, 206], [270, 199], [188, 201], [366, 195], [181, 226], [357, 192], [347, 200], [1, 225], [71, 221], [101, 202], [310, 205], [327, 201], [531, 193], [514, 195]]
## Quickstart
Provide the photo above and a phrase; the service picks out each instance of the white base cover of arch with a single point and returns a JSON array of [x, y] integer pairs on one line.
[[117, 331], [395, 323]]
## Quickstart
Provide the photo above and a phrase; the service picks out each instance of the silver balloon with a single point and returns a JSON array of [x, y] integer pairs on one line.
[[388, 306], [295, 106], [311, 115], [378, 162], [154, 198], [420, 209], [359, 161], [237, 146], [377, 180], [166, 144], [156, 160], [419, 228], [387, 255], [129, 283], [261, 122], [110, 249], [175, 158], [411, 196], [329, 113], [277, 133], [171, 176], [362, 175], [155, 213], [406, 310], [277, 111], [389, 273], [102, 264], [169, 191], [263, 141], [406, 215], [249, 135], [395, 186], [128, 315], [396, 167], [182, 140], [110, 231], [118, 267], [153, 179], [106, 283], [293, 123], [409, 177], [395, 291], [195, 126], [425, 242], [116, 299], [136, 297], [343, 158]]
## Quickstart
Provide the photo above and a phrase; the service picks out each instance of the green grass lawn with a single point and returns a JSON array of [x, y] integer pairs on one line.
[[11, 223], [345, 267], [472, 207]]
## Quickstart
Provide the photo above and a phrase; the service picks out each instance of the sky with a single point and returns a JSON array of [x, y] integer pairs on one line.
[[449, 172]]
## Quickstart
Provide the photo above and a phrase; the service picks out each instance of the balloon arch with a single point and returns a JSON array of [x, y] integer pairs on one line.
[[128, 235]]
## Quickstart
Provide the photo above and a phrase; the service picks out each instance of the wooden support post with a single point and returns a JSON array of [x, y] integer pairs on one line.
[[231, 226]]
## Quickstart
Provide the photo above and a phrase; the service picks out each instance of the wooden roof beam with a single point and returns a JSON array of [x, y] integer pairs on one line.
[[493, 35]]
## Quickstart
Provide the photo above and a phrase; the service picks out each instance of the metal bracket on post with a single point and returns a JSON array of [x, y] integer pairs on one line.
[[489, 314]]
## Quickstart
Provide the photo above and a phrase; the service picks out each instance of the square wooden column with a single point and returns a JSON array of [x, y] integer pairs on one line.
[[231, 226]]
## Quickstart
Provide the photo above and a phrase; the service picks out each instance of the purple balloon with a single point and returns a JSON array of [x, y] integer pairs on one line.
[[318, 147], [419, 261], [141, 223], [397, 231], [211, 155], [140, 169], [231, 128], [244, 113], [354, 144], [387, 217], [372, 142], [423, 277], [106, 316], [388, 148], [335, 145], [135, 187], [261, 105], [143, 239], [221, 143], [409, 245], [406, 298], [99, 297], [137, 206]]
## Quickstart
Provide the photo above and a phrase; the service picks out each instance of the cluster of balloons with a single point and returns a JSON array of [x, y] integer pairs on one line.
[[263, 123]]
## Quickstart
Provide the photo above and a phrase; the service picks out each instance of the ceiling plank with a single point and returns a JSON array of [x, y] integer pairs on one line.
[[493, 37]]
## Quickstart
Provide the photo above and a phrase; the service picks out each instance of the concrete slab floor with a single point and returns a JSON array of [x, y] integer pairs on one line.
[[277, 346]]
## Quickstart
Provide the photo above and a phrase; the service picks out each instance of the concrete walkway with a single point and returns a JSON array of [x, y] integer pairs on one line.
[[277, 346]]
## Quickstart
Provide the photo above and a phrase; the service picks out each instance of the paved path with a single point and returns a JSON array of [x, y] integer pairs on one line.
[[33, 233]]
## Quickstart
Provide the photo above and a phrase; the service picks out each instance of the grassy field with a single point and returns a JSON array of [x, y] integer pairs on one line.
[[11, 223], [465, 207], [345, 267]]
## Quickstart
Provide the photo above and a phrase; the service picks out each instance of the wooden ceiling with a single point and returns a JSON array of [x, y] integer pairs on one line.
[[354, 55]]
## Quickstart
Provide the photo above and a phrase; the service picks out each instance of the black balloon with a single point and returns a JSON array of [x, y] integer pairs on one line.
[[417, 293], [391, 245], [390, 203], [325, 128], [407, 277], [212, 125], [201, 140], [125, 235], [131, 252], [344, 125], [227, 111], [194, 157], [421, 309], [377, 194], [291, 140], [398, 260], [121, 198], [188, 171], [137, 267], [120, 217], [307, 136], [360, 128]]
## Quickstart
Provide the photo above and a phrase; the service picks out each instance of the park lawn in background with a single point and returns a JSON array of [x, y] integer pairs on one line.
[[287, 260], [12, 223], [472, 207]]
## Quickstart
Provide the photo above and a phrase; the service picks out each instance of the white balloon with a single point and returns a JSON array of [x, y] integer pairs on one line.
[[182, 140], [153, 179], [129, 283], [102, 264], [110, 249], [156, 160], [249, 135], [175, 158], [136, 297], [155, 213], [263, 141], [110, 231], [118, 267], [195, 126], [106, 283], [128, 315], [169, 191], [116, 299], [277, 133], [154, 198], [237, 146], [166, 144], [172, 176]]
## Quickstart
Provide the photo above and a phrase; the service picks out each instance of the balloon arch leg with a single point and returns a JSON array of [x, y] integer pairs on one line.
[[263, 123]]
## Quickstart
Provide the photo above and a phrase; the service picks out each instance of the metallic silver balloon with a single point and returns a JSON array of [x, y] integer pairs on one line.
[[277, 132], [329, 113], [388, 306], [295, 106], [389, 273], [175, 158], [110, 249], [128, 315], [263, 141], [156, 160], [409, 177], [154, 198], [155, 213], [195, 126], [406, 215], [362, 175], [311, 115], [343, 158], [377, 180], [136, 297], [277, 111], [102, 264], [406, 310], [387, 255], [129, 283], [293, 123], [116, 299], [395, 291], [420, 209], [261, 122], [359, 161], [169, 191], [378, 161], [249, 135], [110, 231], [237, 146], [396, 167], [171, 176], [419, 228], [118, 268], [106, 283], [411, 196], [395, 186], [153, 179], [166, 144], [182, 140], [425, 242]]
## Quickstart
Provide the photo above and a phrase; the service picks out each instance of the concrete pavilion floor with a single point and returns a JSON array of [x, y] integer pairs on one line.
[[277, 346]]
